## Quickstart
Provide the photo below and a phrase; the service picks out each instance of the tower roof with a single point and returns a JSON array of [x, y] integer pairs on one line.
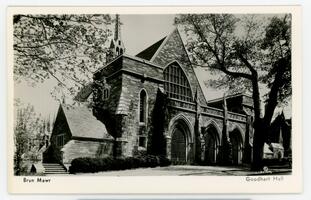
[[116, 45], [117, 29]]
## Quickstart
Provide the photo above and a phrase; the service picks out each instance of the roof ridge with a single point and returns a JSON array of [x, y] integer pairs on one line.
[[163, 43], [229, 96]]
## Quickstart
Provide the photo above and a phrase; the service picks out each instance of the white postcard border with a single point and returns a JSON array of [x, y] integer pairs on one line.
[[165, 184]]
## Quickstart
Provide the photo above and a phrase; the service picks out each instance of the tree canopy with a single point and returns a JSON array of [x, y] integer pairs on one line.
[[241, 46], [65, 47]]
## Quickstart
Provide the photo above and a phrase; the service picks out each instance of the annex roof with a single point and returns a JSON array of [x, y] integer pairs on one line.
[[83, 124]]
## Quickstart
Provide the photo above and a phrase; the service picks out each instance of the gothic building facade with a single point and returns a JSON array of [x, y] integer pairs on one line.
[[153, 103]]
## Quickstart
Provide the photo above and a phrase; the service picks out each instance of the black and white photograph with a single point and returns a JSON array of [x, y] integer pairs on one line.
[[164, 95]]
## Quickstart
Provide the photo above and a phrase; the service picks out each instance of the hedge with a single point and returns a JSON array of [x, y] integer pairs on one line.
[[86, 164]]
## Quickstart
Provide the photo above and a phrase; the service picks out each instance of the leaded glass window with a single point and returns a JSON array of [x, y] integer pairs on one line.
[[176, 84]]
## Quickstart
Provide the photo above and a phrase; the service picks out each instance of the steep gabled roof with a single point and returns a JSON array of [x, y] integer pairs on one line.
[[83, 124], [148, 53]]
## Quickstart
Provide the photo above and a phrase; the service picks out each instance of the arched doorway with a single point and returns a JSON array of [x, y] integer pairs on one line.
[[211, 145], [179, 146], [237, 145], [180, 142]]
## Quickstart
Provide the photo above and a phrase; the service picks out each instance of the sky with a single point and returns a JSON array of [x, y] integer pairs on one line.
[[137, 33]]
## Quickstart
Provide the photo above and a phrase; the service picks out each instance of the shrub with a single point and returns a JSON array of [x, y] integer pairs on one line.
[[164, 161], [81, 165], [152, 161]]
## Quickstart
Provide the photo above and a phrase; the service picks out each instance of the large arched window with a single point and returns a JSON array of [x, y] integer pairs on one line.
[[142, 106], [176, 84]]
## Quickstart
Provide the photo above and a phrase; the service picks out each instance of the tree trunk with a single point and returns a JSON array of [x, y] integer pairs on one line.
[[262, 125], [258, 144], [258, 141], [272, 101]]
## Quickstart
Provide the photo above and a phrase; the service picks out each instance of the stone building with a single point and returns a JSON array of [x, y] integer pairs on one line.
[[153, 103], [77, 133], [280, 133]]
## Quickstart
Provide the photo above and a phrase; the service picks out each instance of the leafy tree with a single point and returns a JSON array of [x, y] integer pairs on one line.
[[28, 128], [20, 139], [65, 47], [250, 51]]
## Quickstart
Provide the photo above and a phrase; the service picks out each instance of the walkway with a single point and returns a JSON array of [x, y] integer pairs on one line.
[[189, 170]]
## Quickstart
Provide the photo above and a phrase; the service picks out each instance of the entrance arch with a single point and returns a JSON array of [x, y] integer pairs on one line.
[[180, 144], [237, 146], [211, 145]]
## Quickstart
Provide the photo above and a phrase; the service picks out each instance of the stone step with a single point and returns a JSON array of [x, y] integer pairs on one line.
[[48, 173], [51, 164], [55, 172], [54, 168]]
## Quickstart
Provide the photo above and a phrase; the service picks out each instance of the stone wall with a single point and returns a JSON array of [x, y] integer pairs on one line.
[[132, 127], [86, 148], [177, 112], [143, 69], [115, 85], [105, 109], [207, 121], [120, 112]]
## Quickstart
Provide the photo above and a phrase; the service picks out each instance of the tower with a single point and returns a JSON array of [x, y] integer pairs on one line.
[[116, 45]]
